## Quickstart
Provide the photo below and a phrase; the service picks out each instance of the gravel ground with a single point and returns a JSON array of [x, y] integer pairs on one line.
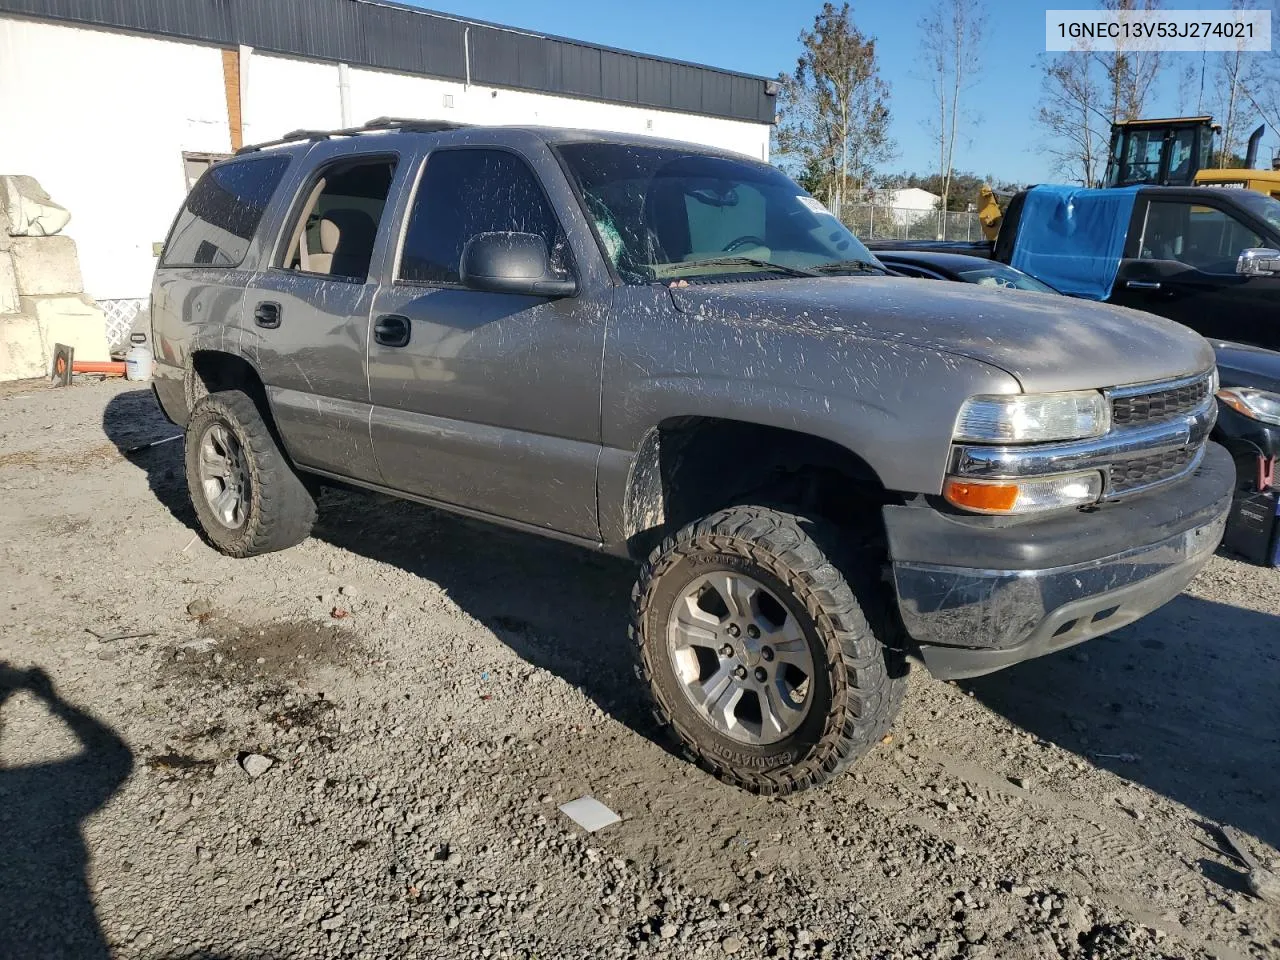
[[357, 748]]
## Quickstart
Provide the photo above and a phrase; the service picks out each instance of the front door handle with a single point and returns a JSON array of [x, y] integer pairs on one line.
[[392, 330], [1142, 284], [267, 314]]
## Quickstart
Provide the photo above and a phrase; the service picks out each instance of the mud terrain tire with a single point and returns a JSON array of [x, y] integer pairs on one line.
[[274, 509], [858, 677]]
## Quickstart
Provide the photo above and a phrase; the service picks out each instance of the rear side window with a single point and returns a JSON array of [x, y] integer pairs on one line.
[[335, 234], [472, 191], [222, 212]]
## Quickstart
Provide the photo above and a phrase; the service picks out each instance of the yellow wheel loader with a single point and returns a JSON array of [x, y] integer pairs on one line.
[[1171, 152], [1178, 152]]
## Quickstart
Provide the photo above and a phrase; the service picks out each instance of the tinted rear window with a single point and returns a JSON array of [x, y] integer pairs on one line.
[[222, 212]]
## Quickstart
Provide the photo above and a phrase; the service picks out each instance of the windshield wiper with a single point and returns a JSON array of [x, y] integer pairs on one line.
[[841, 266], [746, 262]]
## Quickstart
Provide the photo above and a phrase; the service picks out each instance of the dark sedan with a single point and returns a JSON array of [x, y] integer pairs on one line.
[[961, 268], [1249, 412]]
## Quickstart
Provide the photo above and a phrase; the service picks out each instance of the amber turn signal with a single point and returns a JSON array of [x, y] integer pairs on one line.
[[983, 497], [1028, 495]]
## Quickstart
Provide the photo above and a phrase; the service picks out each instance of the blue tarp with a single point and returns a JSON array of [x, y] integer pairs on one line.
[[1072, 238]]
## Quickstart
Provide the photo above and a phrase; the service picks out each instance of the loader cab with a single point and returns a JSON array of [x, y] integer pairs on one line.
[[1166, 152]]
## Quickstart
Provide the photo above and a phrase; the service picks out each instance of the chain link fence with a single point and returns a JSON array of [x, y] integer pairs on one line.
[[875, 222]]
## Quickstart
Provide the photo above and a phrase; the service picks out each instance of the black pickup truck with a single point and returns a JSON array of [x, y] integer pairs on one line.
[[1207, 257]]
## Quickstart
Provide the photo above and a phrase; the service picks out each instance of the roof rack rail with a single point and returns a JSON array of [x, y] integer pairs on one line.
[[413, 124], [379, 124]]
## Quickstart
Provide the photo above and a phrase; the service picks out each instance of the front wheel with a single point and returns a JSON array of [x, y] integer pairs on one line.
[[759, 653]]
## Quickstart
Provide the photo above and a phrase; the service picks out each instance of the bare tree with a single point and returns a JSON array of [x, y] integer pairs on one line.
[[951, 32], [1230, 78], [1130, 74], [1084, 91], [834, 109], [1072, 114], [1259, 81], [1243, 90], [1191, 85], [1262, 90], [1261, 87]]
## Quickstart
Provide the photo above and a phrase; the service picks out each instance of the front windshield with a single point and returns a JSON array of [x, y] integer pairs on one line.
[[999, 275], [665, 214], [1267, 208]]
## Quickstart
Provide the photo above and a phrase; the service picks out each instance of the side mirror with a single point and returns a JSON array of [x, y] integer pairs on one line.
[[511, 263], [1259, 262]]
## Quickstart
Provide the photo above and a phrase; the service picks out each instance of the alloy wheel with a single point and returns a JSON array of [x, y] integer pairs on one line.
[[741, 657]]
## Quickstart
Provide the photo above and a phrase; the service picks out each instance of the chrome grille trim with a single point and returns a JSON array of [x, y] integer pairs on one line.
[[1153, 402], [1159, 386]]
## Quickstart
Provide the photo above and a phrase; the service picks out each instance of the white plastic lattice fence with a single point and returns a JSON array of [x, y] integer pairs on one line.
[[120, 317]]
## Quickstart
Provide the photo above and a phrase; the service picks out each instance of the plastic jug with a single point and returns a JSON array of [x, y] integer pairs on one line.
[[138, 363]]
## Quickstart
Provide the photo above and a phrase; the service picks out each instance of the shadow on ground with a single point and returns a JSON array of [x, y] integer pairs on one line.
[[132, 420], [1185, 702], [559, 607], [46, 909], [1191, 691]]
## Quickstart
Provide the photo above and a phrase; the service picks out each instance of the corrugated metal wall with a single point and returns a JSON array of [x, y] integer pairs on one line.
[[399, 38]]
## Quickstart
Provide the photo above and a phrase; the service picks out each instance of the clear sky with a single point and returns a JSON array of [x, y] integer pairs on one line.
[[760, 36]]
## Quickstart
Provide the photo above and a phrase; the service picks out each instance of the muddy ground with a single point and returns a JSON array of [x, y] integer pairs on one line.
[[429, 689]]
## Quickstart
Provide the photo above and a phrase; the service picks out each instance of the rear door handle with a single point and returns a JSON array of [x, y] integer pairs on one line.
[[1142, 284], [392, 330], [267, 314]]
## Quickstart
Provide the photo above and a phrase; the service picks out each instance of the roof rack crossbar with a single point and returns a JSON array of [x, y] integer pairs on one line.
[[379, 124]]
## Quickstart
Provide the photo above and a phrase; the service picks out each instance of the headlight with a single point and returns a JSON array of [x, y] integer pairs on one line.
[[1031, 495], [1259, 405], [1034, 418]]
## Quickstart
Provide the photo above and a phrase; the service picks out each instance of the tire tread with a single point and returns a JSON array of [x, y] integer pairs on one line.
[[282, 512], [868, 672]]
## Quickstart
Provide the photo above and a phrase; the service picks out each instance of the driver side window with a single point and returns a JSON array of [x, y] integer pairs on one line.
[[1205, 238], [469, 191]]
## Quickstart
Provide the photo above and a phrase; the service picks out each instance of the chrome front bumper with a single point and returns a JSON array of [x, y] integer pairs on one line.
[[973, 619]]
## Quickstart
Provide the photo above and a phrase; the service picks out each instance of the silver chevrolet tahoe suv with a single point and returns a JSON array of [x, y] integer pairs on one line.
[[675, 354]]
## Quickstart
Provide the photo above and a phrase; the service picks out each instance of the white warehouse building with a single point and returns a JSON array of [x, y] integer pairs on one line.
[[117, 106]]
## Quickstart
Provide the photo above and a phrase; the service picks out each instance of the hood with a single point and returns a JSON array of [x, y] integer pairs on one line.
[[1047, 342], [1240, 365]]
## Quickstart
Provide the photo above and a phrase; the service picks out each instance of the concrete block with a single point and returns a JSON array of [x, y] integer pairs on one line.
[[22, 351], [75, 321], [8, 285], [28, 208], [46, 266]]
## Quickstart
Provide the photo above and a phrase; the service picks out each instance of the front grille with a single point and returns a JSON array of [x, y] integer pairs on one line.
[[1139, 472], [1159, 405]]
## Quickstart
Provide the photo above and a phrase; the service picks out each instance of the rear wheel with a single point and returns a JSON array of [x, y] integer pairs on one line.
[[759, 652], [247, 496]]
